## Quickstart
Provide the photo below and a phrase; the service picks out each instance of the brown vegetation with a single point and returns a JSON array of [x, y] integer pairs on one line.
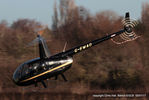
[[107, 66]]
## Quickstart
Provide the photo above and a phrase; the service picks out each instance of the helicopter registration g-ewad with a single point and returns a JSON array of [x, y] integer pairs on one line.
[[46, 66]]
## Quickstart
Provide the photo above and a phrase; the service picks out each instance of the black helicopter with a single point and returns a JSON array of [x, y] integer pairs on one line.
[[46, 66]]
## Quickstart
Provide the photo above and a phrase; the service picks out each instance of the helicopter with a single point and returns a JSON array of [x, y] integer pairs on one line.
[[47, 66]]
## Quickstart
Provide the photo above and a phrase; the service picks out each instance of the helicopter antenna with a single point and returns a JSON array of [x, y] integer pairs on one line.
[[129, 34], [65, 47]]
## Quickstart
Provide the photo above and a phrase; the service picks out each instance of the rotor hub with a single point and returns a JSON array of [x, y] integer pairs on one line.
[[128, 28]]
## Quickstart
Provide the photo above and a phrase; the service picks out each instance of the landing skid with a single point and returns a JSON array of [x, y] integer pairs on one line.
[[63, 76], [56, 77]]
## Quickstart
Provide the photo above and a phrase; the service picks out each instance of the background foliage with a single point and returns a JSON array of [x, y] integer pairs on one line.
[[105, 66]]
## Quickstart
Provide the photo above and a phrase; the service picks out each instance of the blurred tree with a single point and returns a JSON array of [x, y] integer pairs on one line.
[[26, 25], [55, 18], [75, 25], [20, 34], [145, 14], [64, 14]]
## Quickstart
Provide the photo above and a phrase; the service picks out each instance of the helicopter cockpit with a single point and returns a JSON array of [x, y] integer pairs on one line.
[[21, 71], [25, 70], [35, 67]]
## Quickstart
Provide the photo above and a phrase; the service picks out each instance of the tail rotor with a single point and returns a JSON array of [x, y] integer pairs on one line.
[[129, 34]]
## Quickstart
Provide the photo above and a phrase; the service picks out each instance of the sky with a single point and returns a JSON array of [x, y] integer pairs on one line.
[[42, 10]]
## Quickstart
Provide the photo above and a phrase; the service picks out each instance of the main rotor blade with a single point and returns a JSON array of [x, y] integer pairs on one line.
[[44, 51], [35, 41]]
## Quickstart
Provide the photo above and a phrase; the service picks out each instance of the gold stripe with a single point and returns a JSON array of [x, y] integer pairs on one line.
[[47, 71]]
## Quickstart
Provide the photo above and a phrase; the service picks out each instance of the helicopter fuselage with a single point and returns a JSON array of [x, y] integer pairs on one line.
[[36, 70], [46, 66], [39, 69]]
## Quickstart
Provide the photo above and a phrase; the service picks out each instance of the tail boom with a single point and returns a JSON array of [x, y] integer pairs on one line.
[[83, 47]]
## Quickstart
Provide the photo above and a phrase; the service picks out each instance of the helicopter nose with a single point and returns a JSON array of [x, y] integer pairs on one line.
[[15, 79]]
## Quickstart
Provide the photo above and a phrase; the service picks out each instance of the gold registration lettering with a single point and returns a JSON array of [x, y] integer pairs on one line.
[[76, 50], [80, 48], [87, 45], [83, 47], [90, 44]]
